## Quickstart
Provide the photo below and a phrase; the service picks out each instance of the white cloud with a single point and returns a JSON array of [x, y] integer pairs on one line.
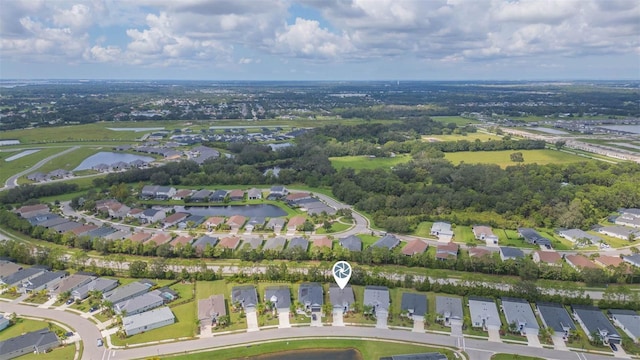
[[305, 38]]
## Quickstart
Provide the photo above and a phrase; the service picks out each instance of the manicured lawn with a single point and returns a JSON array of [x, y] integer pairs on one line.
[[369, 349], [368, 240], [23, 326], [502, 158], [185, 291], [424, 230], [204, 289], [335, 227], [10, 168], [364, 162], [514, 357], [185, 326], [65, 352], [464, 234], [38, 298]]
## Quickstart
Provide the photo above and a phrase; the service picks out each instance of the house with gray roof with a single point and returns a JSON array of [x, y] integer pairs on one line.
[[519, 311], [280, 297], [484, 313], [556, 317], [20, 276], [341, 299], [72, 282], [275, 224], [378, 298], [252, 243], [449, 310], [246, 296], [200, 196], [595, 324], [39, 342], [311, 296], [127, 292], [628, 321], [388, 241], [277, 192], [255, 222], [202, 242], [100, 232], [4, 322], [351, 243], [254, 194], [533, 237], [100, 284], [442, 231], [64, 227], [633, 212], [152, 215], [276, 243], [630, 221], [414, 304], [46, 281], [299, 242], [8, 268], [619, 232], [424, 356], [510, 253], [157, 192], [633, 259], [42, 218], [579, 236], [140, 303], [149, 320], [218, 196], [53, 222], [211, 309]]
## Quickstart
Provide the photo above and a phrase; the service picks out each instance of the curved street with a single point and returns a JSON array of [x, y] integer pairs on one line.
[[13, 180]]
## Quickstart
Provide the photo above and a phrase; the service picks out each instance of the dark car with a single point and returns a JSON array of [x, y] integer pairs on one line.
[[614, 347], [70, 301], [68, 334], [314, 317], [93, 308]]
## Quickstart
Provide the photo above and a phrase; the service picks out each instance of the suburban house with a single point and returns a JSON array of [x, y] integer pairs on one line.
[[479, 252], [73, 282], [277, 192], [192, 221], [550, 258], [4, 323], [159, 238], [351, 242], [255, 222], [533, 237], [202, 242], [293, 199], [66, 227], [633, 259], [140, 237], [213, 222], [251, 243], [279, 297], [254, 194], [628, 321], [82, 230], [101, 232], [100, 284], [275, 224], [414, 305], [127, 292], [389, 241], [21, 276], [149, 320], [38, 342], [229, 242], [118, 235], [594, 322], [510, 253], [323, 242], [316, 207], [235, 222], [182, 194], [377, 297], [416, 246], [135, 213], [157, 192], [630, 221], [211, 309], [310, 295], [579, 236], [484, 313], [218, 196], [484, 233], [118, 210], [298, 242], [579, 262], [182, 240], [8, 268], [28, 211], [606, 261], [341, 299], [619, 232], [447, 251], [245, 296], [449, 310], [45, 281], [276, 243], [442, 231], [556, 317], [236, 195], [519, 312], [200, 196], [632, 212], [295, 222], [174, 219], [152, 215], [140, 303]]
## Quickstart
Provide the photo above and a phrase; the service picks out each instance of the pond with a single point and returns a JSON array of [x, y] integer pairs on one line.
[[138, 129], [551, 131], [628, 128], [259, 210], [319, 354], [109, 158]]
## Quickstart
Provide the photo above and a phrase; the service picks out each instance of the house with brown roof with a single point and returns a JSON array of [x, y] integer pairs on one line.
[[478, 252], [140, 237], [447, 251], [182, 239], [229, 242], [606, 260], [294, 198], [236, 221], [32, 210], [324, 241], [182, 194], [135, 213], [159, 238], [416, 246], [484, 233], [547, 257], [174, 219], [236, 195], [213, 222], [79, 231], [211, 309], [579, 262], [294, 222]]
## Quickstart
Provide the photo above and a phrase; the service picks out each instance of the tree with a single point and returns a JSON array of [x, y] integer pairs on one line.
[[138, 269], [327, 225], [517, 157], [560, 144]]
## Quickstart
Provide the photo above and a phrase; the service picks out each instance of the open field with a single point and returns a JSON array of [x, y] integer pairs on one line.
[[70, 160], [364, 162], [456, 137], [10, 168], [458, 120], [367, 348], [502, 158]]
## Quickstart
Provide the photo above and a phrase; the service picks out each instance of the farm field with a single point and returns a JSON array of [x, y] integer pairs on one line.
[[363, 162], [502, 158]]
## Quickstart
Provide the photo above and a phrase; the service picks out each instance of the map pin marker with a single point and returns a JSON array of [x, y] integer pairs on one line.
[[342, 273]]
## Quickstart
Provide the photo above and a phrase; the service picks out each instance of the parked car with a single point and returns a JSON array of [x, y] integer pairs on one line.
[[93, 308], [68, 334], [100, 343], [70, 301], [614, 347]]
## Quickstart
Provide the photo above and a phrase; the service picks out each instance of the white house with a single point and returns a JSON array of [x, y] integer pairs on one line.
[[153, 319]]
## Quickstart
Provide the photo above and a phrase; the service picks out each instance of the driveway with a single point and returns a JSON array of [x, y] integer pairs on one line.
[[338, 317], [418, 324], [494, 335], [252, 321], [456, 328], [533, 340], [558, 342], [381, 317], [283, 319], [318, 321]]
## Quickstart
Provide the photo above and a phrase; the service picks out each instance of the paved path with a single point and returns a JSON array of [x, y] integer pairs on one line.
[[13, 180]]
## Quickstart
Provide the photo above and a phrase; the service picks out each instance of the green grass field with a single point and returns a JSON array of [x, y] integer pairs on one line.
[[10, 168], [458, 120], [88, 132], [502, 158], [456, 137], [65, 352], [23, 326], [70, 160], [363, 162]]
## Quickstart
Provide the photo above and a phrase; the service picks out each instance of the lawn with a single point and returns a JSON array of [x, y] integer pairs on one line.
[[335, 227], [65, 352], [458, 120], [23, 326], [369, 349], [364, 162], [185, 326], [368, 240], [204, 289], [502, 158], [10, 168], [70, 160], [514, 357], [86, 132], [424, 230]]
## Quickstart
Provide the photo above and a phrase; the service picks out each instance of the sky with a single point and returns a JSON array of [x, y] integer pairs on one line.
[[320, 39]]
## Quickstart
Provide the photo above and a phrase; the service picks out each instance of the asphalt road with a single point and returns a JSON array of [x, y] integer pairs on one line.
[[13, 180]]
